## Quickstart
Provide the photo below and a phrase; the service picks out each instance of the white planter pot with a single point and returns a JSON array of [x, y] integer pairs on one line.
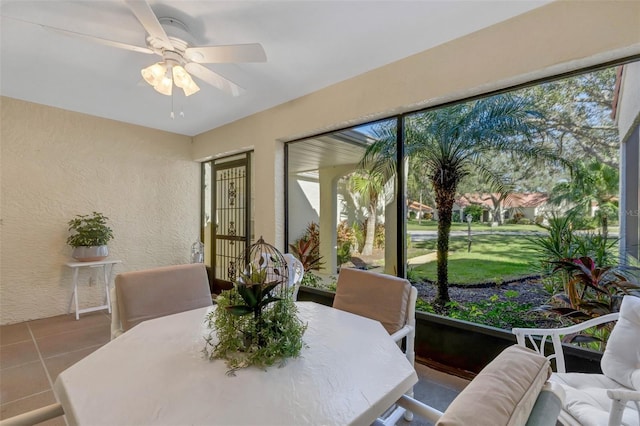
[[90, 253]]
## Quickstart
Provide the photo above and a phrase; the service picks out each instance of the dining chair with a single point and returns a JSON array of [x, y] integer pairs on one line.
[[611, 398], [387, 299], [34, 417], [153, 293], [295, 270]]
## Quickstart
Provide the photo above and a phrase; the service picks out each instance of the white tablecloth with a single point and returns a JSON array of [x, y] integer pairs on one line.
[[155, 373]]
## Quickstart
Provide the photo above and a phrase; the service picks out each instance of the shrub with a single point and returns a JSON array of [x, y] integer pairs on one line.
[[307, 248], [378, 239], [358, 231], [475, 211], [590, 292], [493, 312], [346, 235], [517, 217], [343, 253]]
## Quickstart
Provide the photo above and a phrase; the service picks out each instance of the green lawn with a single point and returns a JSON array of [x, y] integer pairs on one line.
[[492, 258], [430, 225]]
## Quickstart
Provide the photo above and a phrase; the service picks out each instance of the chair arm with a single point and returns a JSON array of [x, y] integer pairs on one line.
[[624, 394], [34, 417], [523, 334], [403, 332], [619, 399]]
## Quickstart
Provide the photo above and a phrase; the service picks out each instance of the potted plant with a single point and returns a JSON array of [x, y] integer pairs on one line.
[[89, 238]]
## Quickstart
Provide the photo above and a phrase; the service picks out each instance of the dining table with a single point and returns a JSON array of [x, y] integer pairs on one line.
[[348, 373]]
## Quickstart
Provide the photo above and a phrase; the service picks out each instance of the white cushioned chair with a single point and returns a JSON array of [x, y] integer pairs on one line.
[[385, 298], [611, 398], [295, 270], [512, 390], [153, 293]]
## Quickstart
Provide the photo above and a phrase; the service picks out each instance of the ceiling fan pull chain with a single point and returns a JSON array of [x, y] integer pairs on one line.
[[172, 115]]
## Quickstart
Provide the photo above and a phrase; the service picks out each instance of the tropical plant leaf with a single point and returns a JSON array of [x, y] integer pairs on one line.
[[268, 300], [239, 310], [580, 338], [248, 293]]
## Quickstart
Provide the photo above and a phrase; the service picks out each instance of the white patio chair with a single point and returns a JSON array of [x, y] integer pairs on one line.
[[512, 390], [296, 272], [612, 398], [385, 298]]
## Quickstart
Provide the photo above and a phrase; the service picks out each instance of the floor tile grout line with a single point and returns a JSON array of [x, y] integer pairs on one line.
[[69, 331], [46, 371], [25, 397]]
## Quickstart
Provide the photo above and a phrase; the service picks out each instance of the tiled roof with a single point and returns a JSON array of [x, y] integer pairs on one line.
[[414, 205], [513, 200]]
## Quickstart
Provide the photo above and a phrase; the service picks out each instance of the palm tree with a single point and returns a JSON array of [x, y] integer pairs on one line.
[[594, 182], [450, 142], [369, 182]]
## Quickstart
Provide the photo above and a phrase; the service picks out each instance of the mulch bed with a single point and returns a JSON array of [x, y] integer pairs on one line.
[[530, 290]]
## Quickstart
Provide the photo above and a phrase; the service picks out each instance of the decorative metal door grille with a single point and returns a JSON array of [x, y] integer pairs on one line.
[[231, 206]]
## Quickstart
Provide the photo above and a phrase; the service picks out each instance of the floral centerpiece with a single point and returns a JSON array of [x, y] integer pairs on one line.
[[255, 323]]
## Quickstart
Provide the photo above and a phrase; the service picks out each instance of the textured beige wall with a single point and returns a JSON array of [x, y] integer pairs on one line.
[[55, 164], [559, 37]]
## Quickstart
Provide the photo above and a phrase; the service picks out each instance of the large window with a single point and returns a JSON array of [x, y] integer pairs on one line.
[[485, 184], [341, 200]]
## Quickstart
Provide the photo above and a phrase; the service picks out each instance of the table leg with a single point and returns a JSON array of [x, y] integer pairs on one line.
[[75, 291], [107, 281]]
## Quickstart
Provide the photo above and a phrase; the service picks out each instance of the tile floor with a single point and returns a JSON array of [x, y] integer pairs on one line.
[[33, 353]]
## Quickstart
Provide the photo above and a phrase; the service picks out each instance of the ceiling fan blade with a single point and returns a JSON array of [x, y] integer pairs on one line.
[[90, 38], [149, 21], [214, 79], [104, 41], [252, 52]]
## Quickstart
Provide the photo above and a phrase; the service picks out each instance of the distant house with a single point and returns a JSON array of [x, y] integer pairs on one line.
[[419, 209], [496, 207]]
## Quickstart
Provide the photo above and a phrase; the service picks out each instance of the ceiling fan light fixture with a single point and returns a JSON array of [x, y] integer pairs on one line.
[[180, 76], [165, 86], [154, 74], [183, 80], [190, 89]]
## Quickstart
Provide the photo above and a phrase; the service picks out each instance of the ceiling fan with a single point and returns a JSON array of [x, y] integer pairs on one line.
[[180, 59]]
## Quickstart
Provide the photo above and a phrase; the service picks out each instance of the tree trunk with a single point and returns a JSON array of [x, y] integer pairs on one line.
[[367, 249], [444, 202]]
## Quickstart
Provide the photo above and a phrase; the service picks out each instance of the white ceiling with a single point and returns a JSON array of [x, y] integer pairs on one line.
[[309, 45]]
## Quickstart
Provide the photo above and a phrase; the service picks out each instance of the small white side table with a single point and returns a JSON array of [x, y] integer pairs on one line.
[[107, 270]]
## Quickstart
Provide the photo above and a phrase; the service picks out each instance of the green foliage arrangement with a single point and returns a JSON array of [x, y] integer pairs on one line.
[[494, 312], [561, 242], [252, 325], [89, 230], [591, 291], [307, 248]]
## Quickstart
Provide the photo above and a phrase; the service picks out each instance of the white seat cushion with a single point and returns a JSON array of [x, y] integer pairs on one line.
[[587, 401], [621, 359], [503, 393]]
